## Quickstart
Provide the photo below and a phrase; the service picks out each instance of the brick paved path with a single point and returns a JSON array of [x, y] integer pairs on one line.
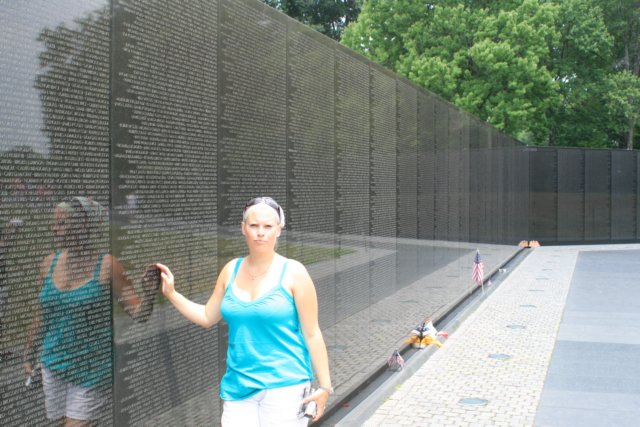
[[532, 296]]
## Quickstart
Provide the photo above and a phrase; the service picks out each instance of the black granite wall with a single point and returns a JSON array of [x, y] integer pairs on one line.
[[170, 115], [583, 196]]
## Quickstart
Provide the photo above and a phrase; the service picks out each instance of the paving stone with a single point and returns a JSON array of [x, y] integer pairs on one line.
[[462, 368]]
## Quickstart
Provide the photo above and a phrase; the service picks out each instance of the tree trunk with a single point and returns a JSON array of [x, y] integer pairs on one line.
[[632, 125]]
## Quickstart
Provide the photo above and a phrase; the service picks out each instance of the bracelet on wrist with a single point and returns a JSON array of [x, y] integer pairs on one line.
[[329, 390]]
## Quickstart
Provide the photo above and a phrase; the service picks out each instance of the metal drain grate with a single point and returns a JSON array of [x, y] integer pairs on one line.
[[516, 327], [474, 401], [500, 356]]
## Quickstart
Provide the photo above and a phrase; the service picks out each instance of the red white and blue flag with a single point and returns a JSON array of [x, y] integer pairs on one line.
[[477, 274]]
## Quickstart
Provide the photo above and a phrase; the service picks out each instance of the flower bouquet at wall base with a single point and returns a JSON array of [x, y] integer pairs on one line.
[[424, 334]]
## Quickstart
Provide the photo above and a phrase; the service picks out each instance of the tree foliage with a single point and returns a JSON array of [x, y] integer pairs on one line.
[[580, 63], [547, 72], [330, 17], [623, 22]]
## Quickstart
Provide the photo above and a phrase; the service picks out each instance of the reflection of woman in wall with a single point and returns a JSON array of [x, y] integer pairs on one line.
[[8, 237], [73, 316], [271, 307]]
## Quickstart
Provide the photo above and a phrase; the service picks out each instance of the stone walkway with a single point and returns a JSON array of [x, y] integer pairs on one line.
[[519, 319]]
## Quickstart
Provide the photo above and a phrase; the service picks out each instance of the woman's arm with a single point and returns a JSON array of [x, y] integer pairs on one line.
[[304, 294], [33, 333], [30, 345], [205, 315]]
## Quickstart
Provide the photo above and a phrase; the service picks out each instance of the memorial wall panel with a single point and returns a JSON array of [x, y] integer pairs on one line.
[[407, 130], [544, 194], [311, 157], [484, 183], [509, 185], [623, 195], [453, 176], [407, 181], [441, 176], [570, 195], [522, 198], [464, 213], [426, 165], [54, 201], [455, 193], [352, 182], [382, 211], [514, 210], [597, 216], [475, 178], [253, 114], [311, 139], [491, 191], [164, 94], [496, 218]]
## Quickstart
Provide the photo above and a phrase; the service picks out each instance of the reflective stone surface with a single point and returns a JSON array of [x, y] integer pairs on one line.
[[133, 133]]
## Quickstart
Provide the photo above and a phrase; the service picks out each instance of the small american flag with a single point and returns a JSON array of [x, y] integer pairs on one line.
[[477, 274]]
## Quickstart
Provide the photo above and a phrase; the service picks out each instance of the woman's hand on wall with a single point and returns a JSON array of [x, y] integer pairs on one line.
[[166, 278]]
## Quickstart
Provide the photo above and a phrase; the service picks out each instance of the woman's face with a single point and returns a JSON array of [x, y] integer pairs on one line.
[[69, 230], [261, 228]]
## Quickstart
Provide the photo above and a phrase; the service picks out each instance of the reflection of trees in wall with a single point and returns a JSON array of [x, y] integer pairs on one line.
[[74, 94], [74, 91], [73, 85]]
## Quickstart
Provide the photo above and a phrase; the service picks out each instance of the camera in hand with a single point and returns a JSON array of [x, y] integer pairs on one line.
[[308, 409]]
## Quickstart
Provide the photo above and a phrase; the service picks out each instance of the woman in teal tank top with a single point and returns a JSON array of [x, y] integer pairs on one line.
[[271, 307], [73, 320]]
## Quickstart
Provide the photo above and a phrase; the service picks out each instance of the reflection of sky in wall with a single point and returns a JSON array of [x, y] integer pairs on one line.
[[21, 21]]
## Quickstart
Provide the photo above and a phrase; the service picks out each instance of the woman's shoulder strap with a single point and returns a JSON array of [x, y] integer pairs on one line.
[[54, 261], [235, 271], [96, 273], [284, 269]]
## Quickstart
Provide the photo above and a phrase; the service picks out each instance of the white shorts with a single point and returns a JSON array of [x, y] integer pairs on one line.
[[63, 399], [275, 407]]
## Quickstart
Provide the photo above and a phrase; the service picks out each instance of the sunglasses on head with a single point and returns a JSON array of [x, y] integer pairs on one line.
[[267, 201]]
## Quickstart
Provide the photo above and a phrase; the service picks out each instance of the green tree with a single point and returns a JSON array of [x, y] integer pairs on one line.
[[623, 22], [623, 104], [581, 62], [330, 17], [490, 58]]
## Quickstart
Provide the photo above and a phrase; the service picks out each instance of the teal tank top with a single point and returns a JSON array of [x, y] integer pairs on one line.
[[266, 346], [77, 330]]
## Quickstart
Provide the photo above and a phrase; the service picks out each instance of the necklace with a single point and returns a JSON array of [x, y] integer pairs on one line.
[[254, 277]]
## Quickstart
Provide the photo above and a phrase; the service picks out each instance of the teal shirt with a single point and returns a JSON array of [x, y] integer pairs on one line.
[[77, 330], [266, 346]]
